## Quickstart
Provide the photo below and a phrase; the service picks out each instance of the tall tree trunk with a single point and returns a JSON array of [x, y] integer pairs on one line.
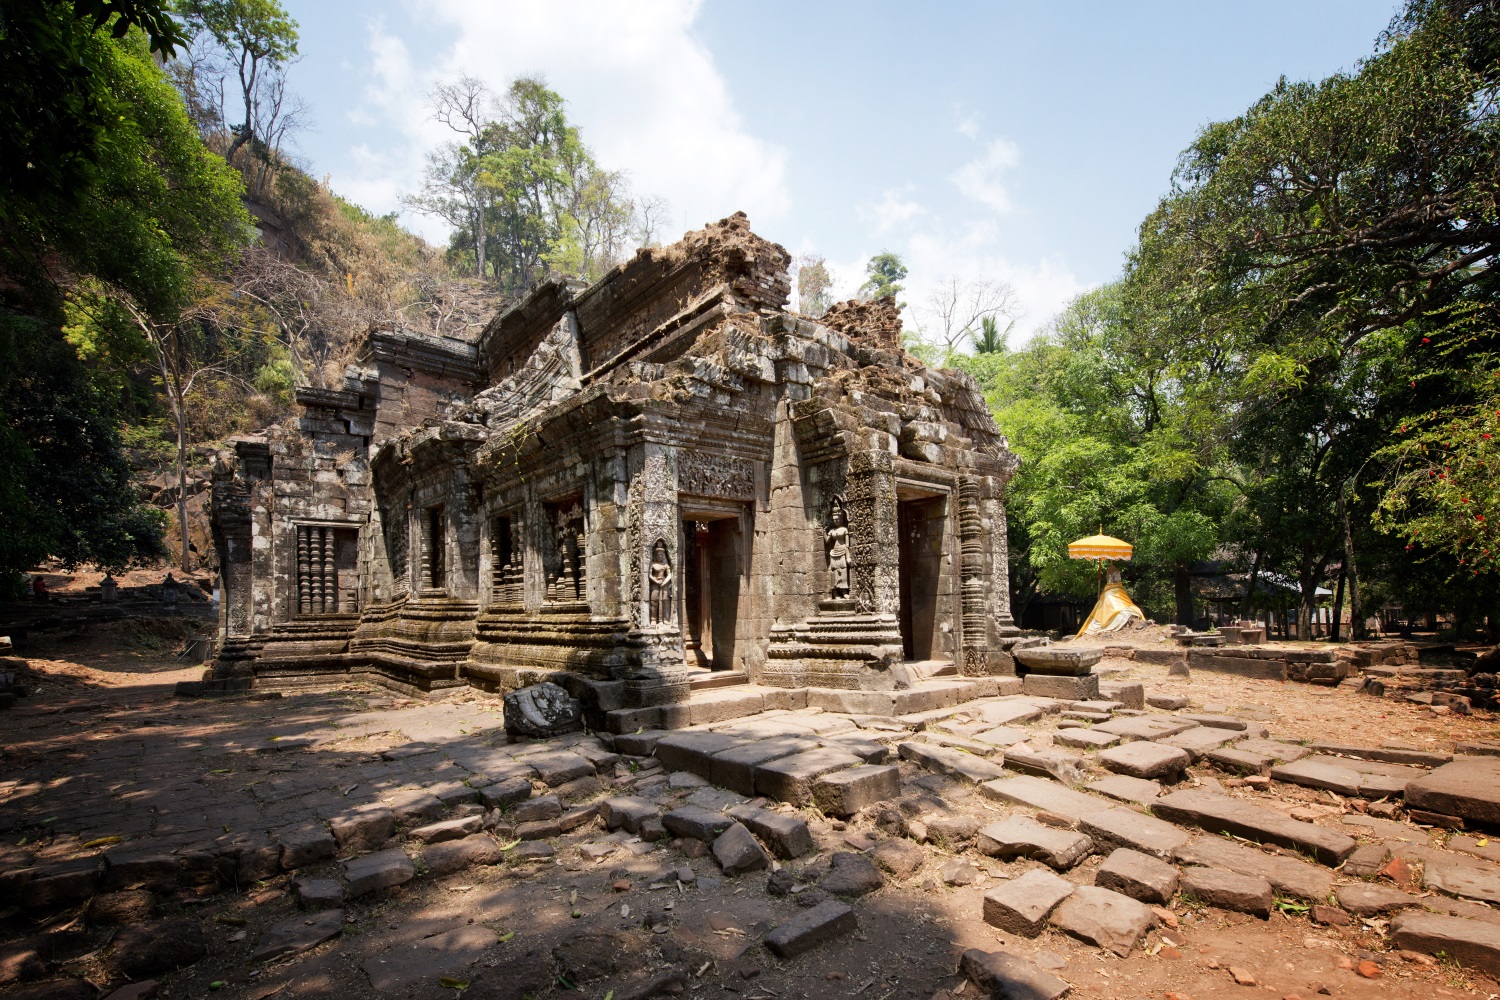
[[1308, 604], [182, 523], [1357, 631], [1247, 605], [1338, 604], [1183, 585]]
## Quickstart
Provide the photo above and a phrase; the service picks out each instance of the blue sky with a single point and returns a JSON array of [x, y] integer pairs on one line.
[[1006, 142]]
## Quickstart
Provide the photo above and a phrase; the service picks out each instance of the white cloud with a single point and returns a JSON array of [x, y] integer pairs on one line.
[[982, 180], [641, 86], [890, 211], [968, 125]]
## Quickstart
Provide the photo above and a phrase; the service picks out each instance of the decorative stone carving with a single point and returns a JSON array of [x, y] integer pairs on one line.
[[706, 474], [542, 710], [661, 584], [838, 550], [567, 584]]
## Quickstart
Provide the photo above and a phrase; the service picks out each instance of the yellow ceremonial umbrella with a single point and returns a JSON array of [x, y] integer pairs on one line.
[[1099, 547]]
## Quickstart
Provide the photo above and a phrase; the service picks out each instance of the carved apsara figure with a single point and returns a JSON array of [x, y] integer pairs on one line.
[[661, 583], [838, 550]]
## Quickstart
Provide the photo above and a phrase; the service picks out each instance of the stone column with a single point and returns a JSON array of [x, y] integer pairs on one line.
[[424, 557], [654, 673], [973, 659], [330, 573], [873, 542], [304, 571]]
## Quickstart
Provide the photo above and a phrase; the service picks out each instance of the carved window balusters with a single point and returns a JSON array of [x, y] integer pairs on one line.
[[568, 582], [508, 571], [434, 549], [397, 547], [318, 590]]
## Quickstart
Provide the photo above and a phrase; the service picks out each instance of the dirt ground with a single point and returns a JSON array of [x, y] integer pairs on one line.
[[506, 920]]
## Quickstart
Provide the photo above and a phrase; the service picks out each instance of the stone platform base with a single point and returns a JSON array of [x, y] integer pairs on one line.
[[726, 703], [1085, 688]]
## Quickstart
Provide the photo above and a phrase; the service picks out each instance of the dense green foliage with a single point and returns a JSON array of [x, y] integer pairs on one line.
[[1302, 352]]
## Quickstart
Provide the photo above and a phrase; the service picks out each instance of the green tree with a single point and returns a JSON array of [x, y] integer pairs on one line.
[[885, 271], [150, 208], [991, 339], [814, 285], [258, 40]]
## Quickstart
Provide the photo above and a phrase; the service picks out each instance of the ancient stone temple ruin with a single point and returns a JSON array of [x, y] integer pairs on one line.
[[659, 484]]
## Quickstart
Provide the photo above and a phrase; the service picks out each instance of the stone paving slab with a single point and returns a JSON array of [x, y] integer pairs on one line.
[[1104, 918], [1120, 827], [1145, 759], [1022, 837], [1221, 814], [1022, 905], [1139, 876], [1002, 974], [1127, 789], [1039, 793], [1200, 741], [945, 760], [1145, 727], [1468, 787], [1475, 943]]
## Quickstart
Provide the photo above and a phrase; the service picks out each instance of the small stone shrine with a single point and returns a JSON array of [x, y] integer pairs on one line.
[[628, 489]]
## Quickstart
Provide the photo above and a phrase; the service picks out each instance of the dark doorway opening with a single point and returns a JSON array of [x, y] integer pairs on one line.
[[920, 523], [711, 574]]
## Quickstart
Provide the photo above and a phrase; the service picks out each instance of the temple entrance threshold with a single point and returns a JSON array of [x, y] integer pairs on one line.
[[713, 572], [921, 522]]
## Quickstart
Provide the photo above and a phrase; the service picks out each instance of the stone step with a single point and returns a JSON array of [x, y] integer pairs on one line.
[[1222, 814], [718, 679]]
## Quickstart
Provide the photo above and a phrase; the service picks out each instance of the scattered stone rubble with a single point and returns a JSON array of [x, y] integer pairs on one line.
[[1095, 840]]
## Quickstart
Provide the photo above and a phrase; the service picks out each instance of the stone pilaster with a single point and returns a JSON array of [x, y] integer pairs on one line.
[[973, 658], [655, 673]]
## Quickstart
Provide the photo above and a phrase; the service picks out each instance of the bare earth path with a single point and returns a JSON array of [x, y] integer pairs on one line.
[[104, 761]]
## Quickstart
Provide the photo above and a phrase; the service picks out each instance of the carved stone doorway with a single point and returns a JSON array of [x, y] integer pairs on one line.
[[921, 525], [713, 564]]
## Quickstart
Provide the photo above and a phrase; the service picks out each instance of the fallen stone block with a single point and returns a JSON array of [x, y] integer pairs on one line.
[[693, 751], [844, 793], [318, 893], [1004, 713], [1004, 975], [1119, 827], [825, 922], [1039, 793], [559, 767], [416, 808], [1370, 898], [1311, 773], [946, 760], [381, 870], [456, 855], [128, 906], [1127, 789], [737, 851], [1200, 741], [1130, 694], [1145, 759], [696, 823], [1279, 752], [1104, 918], [1063, 688], [1222, 814], [1067, 768], [364, 828], [1137, 875], [791, 779], [1022, 905], [297, 935], [898, 856], [787, 836], [62, 882], [1018, 836], [448, 829], [305, 844], [1084, 739], [1228, 890], [1237, 761], [1145, 727], [1288, 876], [540, 808], [1389, 755], [1167, 702], [546, 829], [1468, 879], [735, 768], [1474, 943], [1469, 787], [627, 812], [150, 949], [505, 793], [1218, 721], [851, 875]]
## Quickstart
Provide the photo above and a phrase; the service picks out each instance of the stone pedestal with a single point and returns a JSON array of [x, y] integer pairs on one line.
[[839, 649], [1085, 688]]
